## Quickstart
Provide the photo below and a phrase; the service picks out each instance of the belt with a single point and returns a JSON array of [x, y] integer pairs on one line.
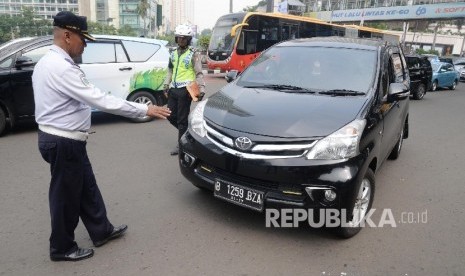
[[71, 134]]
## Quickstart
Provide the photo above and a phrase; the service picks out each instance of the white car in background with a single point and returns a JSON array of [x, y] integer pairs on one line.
[[130, 68]]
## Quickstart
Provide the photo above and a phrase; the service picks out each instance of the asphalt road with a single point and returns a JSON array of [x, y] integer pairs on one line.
[[176, 229]]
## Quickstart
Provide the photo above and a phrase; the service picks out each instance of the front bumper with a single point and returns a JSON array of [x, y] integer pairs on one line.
[[291, 183]]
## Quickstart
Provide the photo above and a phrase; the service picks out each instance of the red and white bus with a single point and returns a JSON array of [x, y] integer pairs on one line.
[[238, 38]]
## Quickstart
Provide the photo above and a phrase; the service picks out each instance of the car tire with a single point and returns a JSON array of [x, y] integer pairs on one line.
[[434, 87], [398, 147], [453, 86], [362, 206], [2, 122], [143, 97], [419, 92]]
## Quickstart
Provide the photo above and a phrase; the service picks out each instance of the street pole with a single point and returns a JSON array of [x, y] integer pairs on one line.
[[462, 51], [269, 5], [230, 6]]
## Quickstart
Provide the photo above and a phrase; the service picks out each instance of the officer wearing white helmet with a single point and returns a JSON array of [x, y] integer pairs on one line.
[[184, 67]]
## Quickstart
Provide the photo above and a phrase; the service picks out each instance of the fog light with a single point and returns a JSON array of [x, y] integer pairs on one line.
[[330, 195], [187, 160]]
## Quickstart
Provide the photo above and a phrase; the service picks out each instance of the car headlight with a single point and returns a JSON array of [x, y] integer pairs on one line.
[[197, 123], [341, 144]]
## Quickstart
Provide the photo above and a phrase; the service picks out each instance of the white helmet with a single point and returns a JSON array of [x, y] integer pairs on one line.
[[183, 30]]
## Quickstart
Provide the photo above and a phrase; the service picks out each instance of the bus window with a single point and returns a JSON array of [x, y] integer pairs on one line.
[[247, 43]]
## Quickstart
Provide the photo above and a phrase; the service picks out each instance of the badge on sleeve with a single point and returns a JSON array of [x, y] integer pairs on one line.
[[84, 80]]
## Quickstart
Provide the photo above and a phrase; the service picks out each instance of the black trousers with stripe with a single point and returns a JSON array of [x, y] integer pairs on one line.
[[73, 193], [179, 102]]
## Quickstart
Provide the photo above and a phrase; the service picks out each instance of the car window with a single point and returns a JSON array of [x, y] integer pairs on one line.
[[99, 53], [6, 63], [397, 71], [120, 53], [413, 63], [140, 51], [37, 53]]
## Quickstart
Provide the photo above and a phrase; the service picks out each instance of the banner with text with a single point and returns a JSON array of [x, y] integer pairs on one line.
[[445, 10]]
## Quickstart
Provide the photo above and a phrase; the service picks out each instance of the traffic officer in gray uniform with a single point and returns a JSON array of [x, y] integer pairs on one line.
[[63, 100]]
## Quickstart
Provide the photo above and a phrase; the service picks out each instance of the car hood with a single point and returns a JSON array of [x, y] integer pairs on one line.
[[280, 114]]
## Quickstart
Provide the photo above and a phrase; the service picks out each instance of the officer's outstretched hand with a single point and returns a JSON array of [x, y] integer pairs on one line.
[[161, 112]]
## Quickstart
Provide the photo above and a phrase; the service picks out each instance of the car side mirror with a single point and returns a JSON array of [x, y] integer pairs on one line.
[[231, 75], [23, 61], [398, 91]]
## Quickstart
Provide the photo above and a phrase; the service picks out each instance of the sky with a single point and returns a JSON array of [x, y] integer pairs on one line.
[[208, 11]]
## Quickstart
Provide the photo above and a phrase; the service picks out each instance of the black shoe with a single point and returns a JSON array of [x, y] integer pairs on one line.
[[116, 233], [175, 151], [79, 254]]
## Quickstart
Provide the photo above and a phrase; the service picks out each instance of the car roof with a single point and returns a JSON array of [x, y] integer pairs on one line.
[[336, 42], [8, 50], [132, 38], [18, 46]]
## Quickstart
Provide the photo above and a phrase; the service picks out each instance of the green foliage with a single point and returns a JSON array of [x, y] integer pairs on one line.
[[203, 42], [378, 25], [127, 30], [206, 32], [421, 51], [169, 38], [255, 7], [29, 24], [100, 28]]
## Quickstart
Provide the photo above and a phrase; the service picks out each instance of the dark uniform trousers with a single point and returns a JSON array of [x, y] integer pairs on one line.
[[179, 102], [73, 193]]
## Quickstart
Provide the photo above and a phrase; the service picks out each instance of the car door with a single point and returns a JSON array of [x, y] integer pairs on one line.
[[22, 95], [106, 66], [392, 115], [110, 64], [451, 75]]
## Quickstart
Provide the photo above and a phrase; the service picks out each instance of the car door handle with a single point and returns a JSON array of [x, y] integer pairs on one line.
[[125, 68]]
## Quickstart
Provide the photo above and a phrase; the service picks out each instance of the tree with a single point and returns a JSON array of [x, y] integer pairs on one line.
[[206, 32], [254, 8], [127, 31], [204, 41], [142, 8], [28, 24], [169, 38]]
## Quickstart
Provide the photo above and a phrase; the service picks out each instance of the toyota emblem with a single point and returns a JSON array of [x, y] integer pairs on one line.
[[243, 143]]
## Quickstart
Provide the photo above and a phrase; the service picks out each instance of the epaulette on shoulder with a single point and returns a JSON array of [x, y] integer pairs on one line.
[[71, 62]]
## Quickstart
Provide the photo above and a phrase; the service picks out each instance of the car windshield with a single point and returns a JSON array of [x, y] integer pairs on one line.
[[313, 69]]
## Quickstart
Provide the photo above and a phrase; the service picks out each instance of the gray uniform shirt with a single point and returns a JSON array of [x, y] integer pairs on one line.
[[64, 97]]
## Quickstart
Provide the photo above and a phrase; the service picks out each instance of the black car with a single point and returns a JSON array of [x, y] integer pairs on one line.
[[301, 129], [420, 75]]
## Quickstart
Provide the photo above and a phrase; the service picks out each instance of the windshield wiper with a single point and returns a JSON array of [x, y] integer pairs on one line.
[[342, 92], [283, 87]]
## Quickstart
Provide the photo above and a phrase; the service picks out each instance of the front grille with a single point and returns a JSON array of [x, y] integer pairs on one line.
[[259, 150]]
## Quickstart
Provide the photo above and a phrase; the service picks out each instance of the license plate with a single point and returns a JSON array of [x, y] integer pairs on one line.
[[239, 195]]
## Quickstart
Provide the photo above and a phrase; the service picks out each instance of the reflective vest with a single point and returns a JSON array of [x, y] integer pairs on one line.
[[183, 69]]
